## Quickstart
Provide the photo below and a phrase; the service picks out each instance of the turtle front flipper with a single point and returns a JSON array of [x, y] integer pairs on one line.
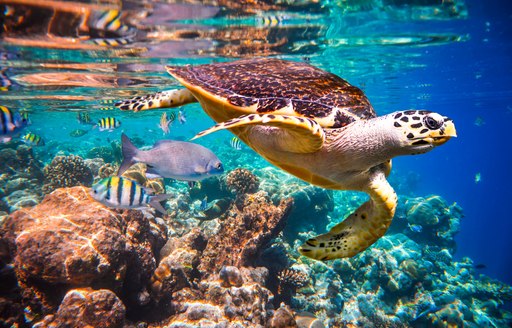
[[361, 228], [297, 134], [164, 99]]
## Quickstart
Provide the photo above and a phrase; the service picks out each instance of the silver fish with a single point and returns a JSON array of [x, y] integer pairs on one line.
[[178, 160]]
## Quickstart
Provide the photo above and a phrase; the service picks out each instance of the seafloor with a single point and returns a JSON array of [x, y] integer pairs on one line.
[[68, 261]]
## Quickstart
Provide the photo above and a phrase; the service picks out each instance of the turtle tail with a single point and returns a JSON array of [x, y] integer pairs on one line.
[[360, 229], [163, 99]]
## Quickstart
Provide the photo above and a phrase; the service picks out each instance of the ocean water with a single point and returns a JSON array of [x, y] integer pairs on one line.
[[454, 57]]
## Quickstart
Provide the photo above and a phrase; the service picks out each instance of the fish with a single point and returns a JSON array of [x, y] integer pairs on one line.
[[215, 210], [165, 123], [83, 118], [204, 204], [479, 121], [181, 117], [177, 160], [271, 20], [108, 123], [415, 227], [119, 192], [25, 116], [109, 22], [78, 133], [431, 309], [11, 123], [478, 177], [480, 266], [236, 143], [32, 139]]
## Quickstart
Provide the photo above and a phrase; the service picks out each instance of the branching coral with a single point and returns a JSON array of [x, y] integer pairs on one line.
[[292, 278], [66, 171], [242, 181]]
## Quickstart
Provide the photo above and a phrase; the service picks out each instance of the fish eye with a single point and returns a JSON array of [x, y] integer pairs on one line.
[[95, 191], [431, 123], [219, 166]]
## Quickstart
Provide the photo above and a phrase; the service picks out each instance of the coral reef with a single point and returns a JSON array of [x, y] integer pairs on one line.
[[20, 178], [66, 171], [70, 257], [106, 170], [242, 181], [87, 308], [70, 241], [137, 173], [243, 233]]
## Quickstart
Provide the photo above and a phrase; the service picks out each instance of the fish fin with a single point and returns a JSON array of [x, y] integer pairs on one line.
[[129, 152], [191, 184], [155, 202], [162, 142], [151, 173]]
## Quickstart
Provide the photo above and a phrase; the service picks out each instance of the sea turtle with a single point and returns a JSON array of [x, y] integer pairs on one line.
[[314, 125]]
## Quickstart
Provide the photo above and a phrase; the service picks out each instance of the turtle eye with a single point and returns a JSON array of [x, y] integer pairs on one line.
[[431, 123]]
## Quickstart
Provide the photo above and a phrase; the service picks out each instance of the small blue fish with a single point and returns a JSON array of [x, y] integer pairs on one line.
[[236, 143], [415, 227], [119, 192], [185, 161], [10, 124], [181, 117], [108, 123], [204, 204], [32, 139]]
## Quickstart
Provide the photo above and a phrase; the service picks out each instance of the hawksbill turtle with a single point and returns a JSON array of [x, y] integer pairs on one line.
[[314, 125]]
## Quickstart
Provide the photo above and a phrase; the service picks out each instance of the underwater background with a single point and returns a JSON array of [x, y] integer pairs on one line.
[[445, 262]]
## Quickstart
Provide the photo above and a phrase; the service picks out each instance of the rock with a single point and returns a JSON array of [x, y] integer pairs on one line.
[[283, 318], [70, 241], [244, 233], [87, 308]]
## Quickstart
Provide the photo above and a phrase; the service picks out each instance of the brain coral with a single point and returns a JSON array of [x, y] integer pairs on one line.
[[66, 171]]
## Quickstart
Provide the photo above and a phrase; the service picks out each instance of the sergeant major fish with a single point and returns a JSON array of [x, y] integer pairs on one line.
[[178, 160], [32, 139], [11, 123], [118, 192], [108, 123]]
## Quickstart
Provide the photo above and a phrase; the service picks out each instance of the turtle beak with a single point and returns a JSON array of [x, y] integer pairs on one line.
[[444, 134]]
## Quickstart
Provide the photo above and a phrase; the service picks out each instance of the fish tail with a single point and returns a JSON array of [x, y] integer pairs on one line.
[[156, 199], [129, 152]]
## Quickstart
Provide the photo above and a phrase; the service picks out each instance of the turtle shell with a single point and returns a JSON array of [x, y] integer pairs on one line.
[[269, 85]]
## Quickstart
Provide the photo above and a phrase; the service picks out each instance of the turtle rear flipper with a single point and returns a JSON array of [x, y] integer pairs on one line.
[[164, 99], [360, 229], [298, 134]]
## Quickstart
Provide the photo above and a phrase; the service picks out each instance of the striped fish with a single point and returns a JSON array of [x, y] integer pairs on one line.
[[32, 139], [236, 143], [119, 192], [10, 124], [108, 23], [108, 123]]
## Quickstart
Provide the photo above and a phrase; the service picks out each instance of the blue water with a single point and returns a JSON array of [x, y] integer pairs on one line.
[[403, 57]]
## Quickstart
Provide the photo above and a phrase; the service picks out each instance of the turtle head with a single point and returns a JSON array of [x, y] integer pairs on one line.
[[420, 131]]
